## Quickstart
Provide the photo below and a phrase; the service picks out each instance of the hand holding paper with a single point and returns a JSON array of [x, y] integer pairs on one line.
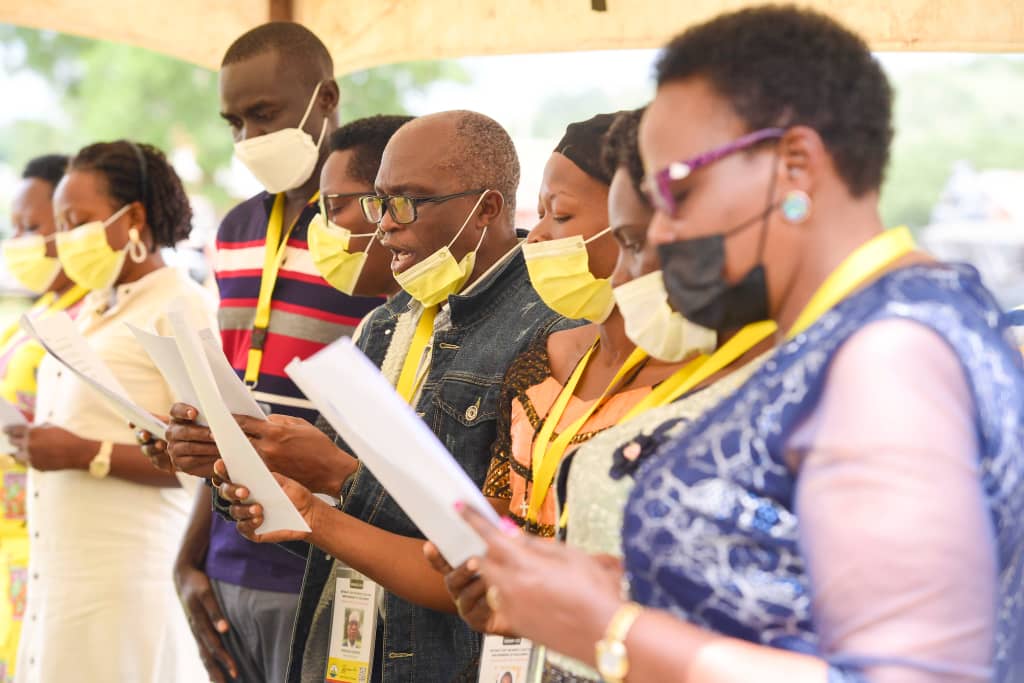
[[395, 444], [243, 463]]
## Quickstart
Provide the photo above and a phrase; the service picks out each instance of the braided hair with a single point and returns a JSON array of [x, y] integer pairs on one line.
[[137, 172]]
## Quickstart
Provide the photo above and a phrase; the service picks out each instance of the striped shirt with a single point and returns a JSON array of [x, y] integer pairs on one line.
[[306, 314]]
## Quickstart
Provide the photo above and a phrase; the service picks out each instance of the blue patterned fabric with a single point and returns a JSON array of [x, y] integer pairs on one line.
[[710, 531]]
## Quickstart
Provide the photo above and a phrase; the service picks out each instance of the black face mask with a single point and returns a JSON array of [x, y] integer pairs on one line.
[[694, 274]]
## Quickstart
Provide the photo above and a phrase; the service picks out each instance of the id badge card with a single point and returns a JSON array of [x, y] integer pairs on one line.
[[353, 628], [505, 660]]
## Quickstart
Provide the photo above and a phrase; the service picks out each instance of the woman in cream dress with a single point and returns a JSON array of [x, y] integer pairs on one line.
[[105, 524]]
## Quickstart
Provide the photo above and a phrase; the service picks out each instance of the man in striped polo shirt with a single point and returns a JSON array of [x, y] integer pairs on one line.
[[280, 99]]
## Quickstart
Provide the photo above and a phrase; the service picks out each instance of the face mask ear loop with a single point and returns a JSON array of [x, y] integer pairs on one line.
[[468, 219], [766, 221], [309, 109], [600, 234]]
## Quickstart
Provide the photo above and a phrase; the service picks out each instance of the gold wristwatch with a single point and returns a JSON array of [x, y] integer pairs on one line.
[[99, 466], [612, 662]]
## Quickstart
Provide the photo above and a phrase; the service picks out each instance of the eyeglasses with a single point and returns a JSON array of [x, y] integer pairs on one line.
[[332, 203], [403, 209], [658, 187]]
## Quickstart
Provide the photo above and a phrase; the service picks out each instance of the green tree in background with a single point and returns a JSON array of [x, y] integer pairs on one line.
[[973, 112], [108, 91]]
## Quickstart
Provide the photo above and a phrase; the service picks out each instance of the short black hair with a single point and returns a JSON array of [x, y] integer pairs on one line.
[[622, 150], [485, 156], [780, 65], [136, 172], [298, 46], [367, 137], [49, 167]]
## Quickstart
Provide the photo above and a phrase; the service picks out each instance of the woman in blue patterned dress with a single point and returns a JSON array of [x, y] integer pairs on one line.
[[854, 512]]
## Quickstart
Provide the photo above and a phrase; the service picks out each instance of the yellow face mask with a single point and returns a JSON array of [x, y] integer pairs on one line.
[[654, 326], [26, 260], [438, 276], [560, 272], [87, 256], [328, 247]]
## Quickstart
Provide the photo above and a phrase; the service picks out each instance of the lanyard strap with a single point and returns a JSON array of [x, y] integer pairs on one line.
[[273, 256], [547, 453], [691, 375], [407, 383], [865, 261]]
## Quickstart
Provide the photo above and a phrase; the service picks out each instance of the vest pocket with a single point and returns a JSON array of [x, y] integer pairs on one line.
[[467, 400]]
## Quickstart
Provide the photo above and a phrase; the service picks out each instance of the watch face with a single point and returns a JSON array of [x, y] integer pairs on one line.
[[611, 659]]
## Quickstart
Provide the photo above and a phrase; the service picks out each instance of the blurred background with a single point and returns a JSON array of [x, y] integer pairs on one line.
[[956, 175]]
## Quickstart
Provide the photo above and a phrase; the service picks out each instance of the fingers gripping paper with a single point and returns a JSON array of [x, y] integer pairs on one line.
[[395, 444], [244, 465]]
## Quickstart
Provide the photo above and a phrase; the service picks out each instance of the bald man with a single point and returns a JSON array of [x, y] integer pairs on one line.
[[446, 180]]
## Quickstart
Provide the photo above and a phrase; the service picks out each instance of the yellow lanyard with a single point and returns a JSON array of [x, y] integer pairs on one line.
[[547, 453], [49, 303], [865, 261], [407, 383], [274, 251], [701, 368]]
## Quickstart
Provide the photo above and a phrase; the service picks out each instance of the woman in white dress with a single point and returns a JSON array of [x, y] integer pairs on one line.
[[105, 523]]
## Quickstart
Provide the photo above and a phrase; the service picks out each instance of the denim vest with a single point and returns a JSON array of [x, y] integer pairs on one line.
[[459, 401]]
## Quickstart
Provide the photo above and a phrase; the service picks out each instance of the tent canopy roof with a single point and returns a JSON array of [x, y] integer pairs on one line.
[[363, 34]]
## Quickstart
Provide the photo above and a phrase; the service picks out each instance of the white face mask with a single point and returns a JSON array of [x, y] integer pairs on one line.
[[284, 159], [653, 326]]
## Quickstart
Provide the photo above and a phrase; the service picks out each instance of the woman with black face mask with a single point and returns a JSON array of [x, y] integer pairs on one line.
[[854, 511]]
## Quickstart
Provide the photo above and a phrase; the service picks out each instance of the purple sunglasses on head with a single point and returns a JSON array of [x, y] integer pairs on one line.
[[661, 195]]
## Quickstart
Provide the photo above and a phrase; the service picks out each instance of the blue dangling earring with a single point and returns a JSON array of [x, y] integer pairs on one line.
[[796, 206]]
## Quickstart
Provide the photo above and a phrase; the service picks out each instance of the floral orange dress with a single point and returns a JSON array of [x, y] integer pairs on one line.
[[528, 395]]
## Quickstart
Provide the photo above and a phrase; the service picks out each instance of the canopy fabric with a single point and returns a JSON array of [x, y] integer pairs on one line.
[[362, 34]]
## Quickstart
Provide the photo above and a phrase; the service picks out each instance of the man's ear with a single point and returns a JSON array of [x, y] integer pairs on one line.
[[490, 209]]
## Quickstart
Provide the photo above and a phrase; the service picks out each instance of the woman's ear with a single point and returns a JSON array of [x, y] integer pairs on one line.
[[802, 159], [137, 218]]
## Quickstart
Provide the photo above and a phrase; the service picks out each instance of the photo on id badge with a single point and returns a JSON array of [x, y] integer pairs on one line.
[[504, 659], [353, 627]]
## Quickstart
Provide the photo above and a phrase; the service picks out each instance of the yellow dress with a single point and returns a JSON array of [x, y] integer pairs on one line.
[[20, 357]]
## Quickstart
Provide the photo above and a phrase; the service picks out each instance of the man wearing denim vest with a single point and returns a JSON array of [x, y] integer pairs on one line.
[[460, 171]]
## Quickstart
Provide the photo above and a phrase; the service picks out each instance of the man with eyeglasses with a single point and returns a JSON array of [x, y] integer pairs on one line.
[[444, 203]]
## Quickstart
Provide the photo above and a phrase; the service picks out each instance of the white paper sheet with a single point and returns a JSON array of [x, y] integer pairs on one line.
[[395, 444], [165, 355], [243, 462], [9, 417], [63, 341]]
